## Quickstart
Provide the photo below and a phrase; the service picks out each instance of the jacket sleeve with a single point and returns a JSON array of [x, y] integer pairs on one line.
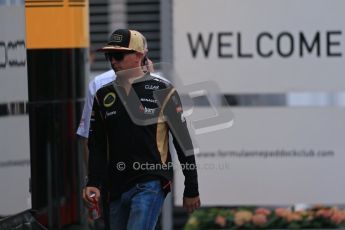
[[173, 112], [97, 145]]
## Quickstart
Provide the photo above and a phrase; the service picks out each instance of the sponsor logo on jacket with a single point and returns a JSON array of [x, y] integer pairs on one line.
[[152, 87], [109, 99], [148, 100]]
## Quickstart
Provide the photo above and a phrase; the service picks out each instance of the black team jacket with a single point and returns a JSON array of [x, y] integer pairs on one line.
[[129, 137]]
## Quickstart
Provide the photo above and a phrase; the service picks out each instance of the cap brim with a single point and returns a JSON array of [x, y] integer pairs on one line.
[[114, 49]]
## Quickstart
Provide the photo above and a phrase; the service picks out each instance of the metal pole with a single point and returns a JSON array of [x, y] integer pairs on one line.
[[49, 188], [166, 31], [166, 56]]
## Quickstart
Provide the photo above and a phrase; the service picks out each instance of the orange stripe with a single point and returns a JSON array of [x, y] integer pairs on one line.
[[52, 26], [162, 138], [162, 133]]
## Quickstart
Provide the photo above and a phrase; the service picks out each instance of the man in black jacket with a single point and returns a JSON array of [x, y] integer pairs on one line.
[[129, 136]]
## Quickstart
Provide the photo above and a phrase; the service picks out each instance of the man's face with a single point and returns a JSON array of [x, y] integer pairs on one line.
[[123, 60]]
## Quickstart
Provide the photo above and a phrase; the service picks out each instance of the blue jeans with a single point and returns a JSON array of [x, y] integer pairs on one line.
[[138, 208]]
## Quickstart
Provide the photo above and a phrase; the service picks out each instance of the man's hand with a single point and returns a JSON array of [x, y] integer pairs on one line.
[[88, 191], [190, 204]]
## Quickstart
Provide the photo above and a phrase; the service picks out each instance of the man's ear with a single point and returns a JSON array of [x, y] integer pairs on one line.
[[139, 57]]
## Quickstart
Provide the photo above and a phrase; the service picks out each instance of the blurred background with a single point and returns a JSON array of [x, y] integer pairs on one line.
[[268, 123]]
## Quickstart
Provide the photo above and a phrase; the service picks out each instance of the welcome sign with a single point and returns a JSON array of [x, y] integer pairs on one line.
[[265, 46], [269, 156]]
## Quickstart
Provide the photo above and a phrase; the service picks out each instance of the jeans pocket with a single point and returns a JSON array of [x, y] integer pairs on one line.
[[151, 186]]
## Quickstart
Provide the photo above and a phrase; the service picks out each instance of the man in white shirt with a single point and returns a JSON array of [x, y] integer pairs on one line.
[[94, 85]]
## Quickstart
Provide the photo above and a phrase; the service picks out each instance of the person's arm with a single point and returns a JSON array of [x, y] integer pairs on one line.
[[97, 153], [173, 113], [84, 125], [85, 151]]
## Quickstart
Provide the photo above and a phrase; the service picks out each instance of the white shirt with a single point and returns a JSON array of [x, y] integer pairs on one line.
[[98, 82]]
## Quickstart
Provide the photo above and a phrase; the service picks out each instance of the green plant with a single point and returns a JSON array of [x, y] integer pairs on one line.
[[262, 218]]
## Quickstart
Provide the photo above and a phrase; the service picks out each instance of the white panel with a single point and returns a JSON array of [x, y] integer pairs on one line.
[[14, 130], [14, 164], [244, 173], [13, 79], [249, 19]]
